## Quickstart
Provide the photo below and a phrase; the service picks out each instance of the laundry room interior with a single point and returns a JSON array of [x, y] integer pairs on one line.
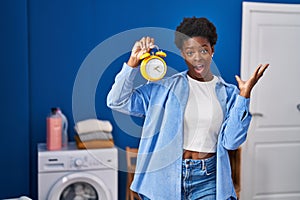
[[46, 49]]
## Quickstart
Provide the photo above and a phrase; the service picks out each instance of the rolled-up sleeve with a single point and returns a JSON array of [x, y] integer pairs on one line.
[[234, 130], [123, 97]]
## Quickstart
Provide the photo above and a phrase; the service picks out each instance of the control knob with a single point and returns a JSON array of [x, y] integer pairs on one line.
[[78, 162]]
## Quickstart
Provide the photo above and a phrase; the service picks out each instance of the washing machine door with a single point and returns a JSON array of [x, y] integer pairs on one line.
[[79, 186]]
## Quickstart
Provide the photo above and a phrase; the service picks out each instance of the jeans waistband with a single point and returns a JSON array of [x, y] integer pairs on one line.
[[202, 163]]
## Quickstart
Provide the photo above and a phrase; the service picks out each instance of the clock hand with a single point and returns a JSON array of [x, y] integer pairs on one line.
[[157, 68]]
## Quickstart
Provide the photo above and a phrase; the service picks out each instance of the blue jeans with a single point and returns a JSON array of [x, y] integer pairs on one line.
[[198, 179]]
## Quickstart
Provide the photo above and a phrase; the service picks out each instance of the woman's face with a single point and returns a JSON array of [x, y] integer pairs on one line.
[[197, 54]]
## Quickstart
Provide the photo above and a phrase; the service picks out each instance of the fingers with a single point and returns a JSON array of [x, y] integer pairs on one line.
[[146, 43], [238, 79], [140, 47], [258, 73], [260, 70]]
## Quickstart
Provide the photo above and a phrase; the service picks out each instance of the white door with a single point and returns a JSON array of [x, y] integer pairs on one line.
[[271, 154]]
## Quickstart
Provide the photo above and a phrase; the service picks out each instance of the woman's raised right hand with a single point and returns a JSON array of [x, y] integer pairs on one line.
[[140, 47]]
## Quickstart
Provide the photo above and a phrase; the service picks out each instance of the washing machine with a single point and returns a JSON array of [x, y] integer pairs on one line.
[[77, 174]]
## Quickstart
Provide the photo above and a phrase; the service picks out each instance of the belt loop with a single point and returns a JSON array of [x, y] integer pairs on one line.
[[203, 164]]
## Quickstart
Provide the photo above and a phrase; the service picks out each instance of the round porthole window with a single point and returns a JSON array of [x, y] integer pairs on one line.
[[79, 191], [79, 186]]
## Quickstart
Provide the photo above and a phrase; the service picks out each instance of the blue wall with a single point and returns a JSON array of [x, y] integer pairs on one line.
[[14, 87], [43, 44]]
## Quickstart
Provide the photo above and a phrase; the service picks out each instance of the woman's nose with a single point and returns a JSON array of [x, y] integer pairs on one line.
[[198, 56]]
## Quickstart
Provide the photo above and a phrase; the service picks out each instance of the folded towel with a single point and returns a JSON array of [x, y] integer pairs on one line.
[[93, 144], [98, 135], [93, 125]]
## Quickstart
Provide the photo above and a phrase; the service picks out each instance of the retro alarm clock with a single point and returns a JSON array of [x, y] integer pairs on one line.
[[153, 67]]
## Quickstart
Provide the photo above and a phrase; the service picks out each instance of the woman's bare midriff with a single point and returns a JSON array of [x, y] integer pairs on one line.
[[196, 155]]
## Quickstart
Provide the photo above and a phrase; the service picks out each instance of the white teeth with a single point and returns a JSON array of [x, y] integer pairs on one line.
[[198, 67]]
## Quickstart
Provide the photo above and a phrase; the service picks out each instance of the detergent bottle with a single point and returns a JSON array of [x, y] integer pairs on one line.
[[64, 128], [54, 130]]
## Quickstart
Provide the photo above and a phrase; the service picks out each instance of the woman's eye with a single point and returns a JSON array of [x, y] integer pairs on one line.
[[189, 53], [204, 51]]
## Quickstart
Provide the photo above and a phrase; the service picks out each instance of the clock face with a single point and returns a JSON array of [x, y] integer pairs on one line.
[[153, 68]]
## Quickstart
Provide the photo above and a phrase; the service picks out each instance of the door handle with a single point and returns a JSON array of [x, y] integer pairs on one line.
[[258, 114], [298, 107]]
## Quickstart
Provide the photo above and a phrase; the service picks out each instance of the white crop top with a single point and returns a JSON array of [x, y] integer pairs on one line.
[[203, 117]]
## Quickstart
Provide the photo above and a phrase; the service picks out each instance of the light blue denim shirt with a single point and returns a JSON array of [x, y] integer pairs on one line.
[[162, 104]]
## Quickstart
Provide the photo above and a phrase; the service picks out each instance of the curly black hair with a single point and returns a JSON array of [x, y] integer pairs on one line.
[[193, 27]]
